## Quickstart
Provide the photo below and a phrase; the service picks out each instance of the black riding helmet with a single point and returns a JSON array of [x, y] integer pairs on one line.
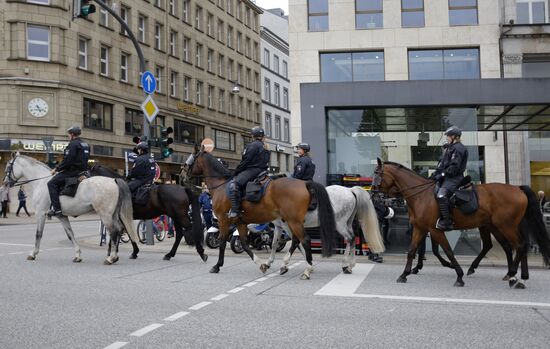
[[74, 130], [304, 146], [453, 131], [257, 132], [143, 146]]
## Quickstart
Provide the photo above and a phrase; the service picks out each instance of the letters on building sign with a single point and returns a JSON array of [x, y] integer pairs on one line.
[[37, 145], [187, 108]]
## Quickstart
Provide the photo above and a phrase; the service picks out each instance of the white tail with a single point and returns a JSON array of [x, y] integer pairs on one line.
[[366, 214]]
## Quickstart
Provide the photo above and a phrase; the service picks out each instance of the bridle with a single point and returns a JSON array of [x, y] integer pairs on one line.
[[14, 182], [377, 181], [191, 161]]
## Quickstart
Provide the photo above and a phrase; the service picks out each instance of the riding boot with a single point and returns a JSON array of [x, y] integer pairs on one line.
[[235, 198], [445, 223]]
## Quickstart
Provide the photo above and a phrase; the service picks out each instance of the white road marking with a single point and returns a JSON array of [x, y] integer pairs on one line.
[[219, 297], [176, 316], [8, 244], [271, 275], [261, 279], [297, 264], [145, 330], [345, 285], [116, 345], [200, 305], [291, 267], [250, 284], [235, 290], [17, 253]]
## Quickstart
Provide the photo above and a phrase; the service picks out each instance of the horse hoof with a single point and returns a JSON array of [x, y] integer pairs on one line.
[[204, 257], [346, 270], [77, 260], [263, 268], [459, 283], [304, 277], [283, 270], [215, 269], [470, 272], [401, 280], [31, 258], [166, 257], [107, 262], [506, 277], [115, 260], [512, 282], [520, 286], [133, 256], [415, 271]]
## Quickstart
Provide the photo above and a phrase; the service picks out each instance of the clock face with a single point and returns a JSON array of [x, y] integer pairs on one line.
[[38, 107]]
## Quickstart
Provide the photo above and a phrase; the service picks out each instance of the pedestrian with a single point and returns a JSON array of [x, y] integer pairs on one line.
[[304, 168], [542, 199], [5, 197], [22, 196], [205, 202]]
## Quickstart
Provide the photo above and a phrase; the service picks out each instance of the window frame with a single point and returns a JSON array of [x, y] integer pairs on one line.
[[159, 70], [267, 90], [38, 42], [104, 61], [158, 36], [367, 12], [317, 14], [142, 30], [87, 110], [83, 53], [530, 9], [124, 68], [231, 137], [443, 50], [173, 84], [416, 9], [459, 8]]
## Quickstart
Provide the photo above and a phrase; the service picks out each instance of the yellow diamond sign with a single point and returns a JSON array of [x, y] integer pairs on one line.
[[149, 108]]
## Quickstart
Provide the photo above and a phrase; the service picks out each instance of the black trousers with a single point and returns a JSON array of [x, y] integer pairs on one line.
[[134, 184], [246, 176], [22, 205], [4, 208], [56, 184]]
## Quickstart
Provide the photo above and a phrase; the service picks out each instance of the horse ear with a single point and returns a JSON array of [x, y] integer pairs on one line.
[[379, 162]]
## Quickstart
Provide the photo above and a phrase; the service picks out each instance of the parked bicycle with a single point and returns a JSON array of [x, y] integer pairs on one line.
[[161, 226]]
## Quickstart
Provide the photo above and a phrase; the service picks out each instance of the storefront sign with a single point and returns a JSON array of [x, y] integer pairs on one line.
[[34, 145], [187, 108]]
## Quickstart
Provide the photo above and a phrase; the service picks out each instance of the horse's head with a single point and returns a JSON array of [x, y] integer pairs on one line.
[[13, 171], [384, 180], [193, 165]]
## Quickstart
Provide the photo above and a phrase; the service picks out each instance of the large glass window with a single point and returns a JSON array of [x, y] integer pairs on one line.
[[412, 13], [536, 66], [369, 14], [532, 11], [444, 64], [224, 140], [98, 115], [187, 133], [317, 11], [38, 43], [348, 66], [462, 12], [133, 122]]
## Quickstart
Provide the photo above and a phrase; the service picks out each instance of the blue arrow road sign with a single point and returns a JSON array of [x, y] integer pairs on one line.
[[148, 82]]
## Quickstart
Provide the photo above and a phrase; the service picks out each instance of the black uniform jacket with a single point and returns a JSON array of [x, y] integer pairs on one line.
[[304, 168], [255, 156], [76, 157]]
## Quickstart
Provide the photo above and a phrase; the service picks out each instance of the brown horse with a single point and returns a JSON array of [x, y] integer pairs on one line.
[[284, 198], [509, 212]]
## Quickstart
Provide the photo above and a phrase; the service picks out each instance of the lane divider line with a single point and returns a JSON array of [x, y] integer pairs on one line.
[[271, 275], [261, 279], [116, 345], [219, 297], [176, 316], [145, 330], [250, 284], [235, 290], [200, 305]]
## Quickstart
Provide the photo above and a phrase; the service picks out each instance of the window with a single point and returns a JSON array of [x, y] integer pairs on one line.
[[173, 40], [532, 11], [153, 126], [98, 115], [238, 10], [173, 84], [158, 36], [124, 14], [444, 64], [186, 46], [276, 94], [412, 13], [187, 133], [158, 3], [266, 58], [230, 7], [104, 61], [124, 67], [186, 8], [257, 112], [133, 122], [535, 66], [210, 25], [247, 17], [220, 65], [142, 25], [256, 81], [240, 107], [82, 53], [209, 59], [247, 47], [255, 52], [286, 131], [220, 4], [220, 31], [104, 15], [462, 12], [285, 69], [231, 104], [210, 96], [198, 18], [158, 75], [186, 87], [369, 14], [230, 66], [268, 124], [102, 150], [285, 98], [221, 98], [38, 43], [317, 11], [229, 36], [248, 78], [248, 109], [276, 63], [44, 2], [224, 140], [267, 90], [352, 66], [172, 7], [198, 55], [255, 22], [239, 39], [239, 73], [277, 127], [198, 93]]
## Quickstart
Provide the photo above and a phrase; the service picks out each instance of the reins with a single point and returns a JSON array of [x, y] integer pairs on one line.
[[17, 183], [403, 191]]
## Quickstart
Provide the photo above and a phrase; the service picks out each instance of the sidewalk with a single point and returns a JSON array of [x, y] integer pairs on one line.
[[24, 219]]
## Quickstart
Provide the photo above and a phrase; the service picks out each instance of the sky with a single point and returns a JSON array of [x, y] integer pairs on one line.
[[273, 4]]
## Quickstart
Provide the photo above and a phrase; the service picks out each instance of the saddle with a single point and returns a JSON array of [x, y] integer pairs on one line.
[[142, 195], [465, 198], [255, 189], [71, 184]]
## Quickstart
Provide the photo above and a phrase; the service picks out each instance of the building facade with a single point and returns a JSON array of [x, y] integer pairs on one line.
[[56, 71], [275, 89]]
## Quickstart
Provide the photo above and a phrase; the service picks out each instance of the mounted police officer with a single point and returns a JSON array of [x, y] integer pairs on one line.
[[449, 174], [304, 168], [255, 159], [144, 169], [75, 161]]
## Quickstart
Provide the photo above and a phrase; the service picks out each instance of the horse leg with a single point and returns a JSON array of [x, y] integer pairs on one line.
[[435, 252], [41, 220], [286, 259], [224, 232], [70, 234], [243, 236], [521, 253], [440, 238], [306, 243], [487, 244], [179, 235], [509, 257], [421, 254], [135, 250], [349, 255], [113, 243], [276, 237], [524, 272], [415, 241]]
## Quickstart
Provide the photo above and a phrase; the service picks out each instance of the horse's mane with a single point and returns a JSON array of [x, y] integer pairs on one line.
[[98, 167], [216, 166], [33, 160], [405, 168]]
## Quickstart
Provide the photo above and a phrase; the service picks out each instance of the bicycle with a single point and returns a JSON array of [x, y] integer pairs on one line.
[[160, 227]]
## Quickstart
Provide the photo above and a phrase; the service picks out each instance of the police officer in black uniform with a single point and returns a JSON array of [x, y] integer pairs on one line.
[[144, 169], [304, 168], [449, 174], [74, 162], [255, 159]]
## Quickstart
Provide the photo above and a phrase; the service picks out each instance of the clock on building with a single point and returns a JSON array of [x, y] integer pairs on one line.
[[38, 107]]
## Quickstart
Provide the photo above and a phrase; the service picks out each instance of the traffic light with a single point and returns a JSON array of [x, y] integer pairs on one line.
[[82, 8], [165, 141]]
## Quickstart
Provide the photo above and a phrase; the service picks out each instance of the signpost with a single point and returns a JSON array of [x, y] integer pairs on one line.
[[149, 108], [148, 82]]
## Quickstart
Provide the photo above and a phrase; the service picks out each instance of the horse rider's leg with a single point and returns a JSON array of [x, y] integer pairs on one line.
[[417, 236], [421, 254], [70, 234], [40, 221], [286, 259], [179, 235], [487, 244], [439, 237], [276, 237], [224, 233]]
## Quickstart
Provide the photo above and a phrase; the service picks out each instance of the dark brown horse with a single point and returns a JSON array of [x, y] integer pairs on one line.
[[509, 212], [285, 198]]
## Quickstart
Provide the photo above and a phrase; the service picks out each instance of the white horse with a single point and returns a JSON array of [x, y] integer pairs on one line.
[[109, 198], [347, 203]]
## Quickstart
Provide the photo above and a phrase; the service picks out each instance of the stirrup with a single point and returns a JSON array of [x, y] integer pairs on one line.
[[440, 226], [232, 214]]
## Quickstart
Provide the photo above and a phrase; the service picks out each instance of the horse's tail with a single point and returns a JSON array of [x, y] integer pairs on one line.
[[533, 219], [197, 228], [366, 214], [327, 222], [124, 210]]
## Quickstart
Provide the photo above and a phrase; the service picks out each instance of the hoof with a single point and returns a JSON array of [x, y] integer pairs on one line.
[[346, 270], [401, 280], [470, 272], [304, 277], [107, 262], [415, 270], [283, 270], [31, 258], [77, 260], [204, 257], [215, 269], [506, 277], [166, 257], [512, 282], [459, 283], [115, 260], [520, 286], [133, 256], [263, 268]]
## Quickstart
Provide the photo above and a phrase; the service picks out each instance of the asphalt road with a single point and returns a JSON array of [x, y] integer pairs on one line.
[[151, 303]]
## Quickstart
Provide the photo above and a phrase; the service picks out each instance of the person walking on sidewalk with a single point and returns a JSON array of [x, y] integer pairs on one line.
[[5, 198], [22, 196]]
